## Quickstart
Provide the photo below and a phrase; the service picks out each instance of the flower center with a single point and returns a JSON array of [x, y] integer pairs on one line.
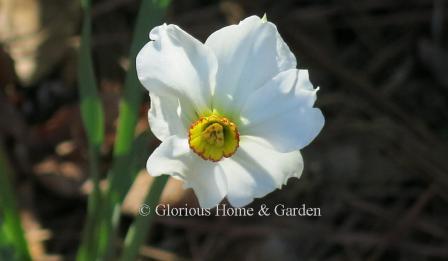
[[213, 137]]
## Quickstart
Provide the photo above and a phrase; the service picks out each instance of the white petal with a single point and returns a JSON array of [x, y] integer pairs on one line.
[[207, 181], [177, 64], [167, 117], [286, 59], [249, 54], [303, 81], [174, 157], [256, 170], [281, 113]]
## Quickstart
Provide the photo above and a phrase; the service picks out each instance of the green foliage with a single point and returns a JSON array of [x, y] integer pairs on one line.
[[13, 245], [93, 119], [129, 152], [150, 15], [137, 232]]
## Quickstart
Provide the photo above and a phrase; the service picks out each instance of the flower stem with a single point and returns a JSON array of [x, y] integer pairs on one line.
[[150, 14], [93, 121], [140, 228]]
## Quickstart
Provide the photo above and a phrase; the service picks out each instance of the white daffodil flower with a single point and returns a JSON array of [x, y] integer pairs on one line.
[[232, 114]]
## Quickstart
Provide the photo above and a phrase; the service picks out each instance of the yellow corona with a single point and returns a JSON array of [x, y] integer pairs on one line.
[[213, 137]]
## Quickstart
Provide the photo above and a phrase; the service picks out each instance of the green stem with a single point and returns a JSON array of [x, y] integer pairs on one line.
[[140, 228], [13, 245], [150, 14], [89, 246], [93, 119]]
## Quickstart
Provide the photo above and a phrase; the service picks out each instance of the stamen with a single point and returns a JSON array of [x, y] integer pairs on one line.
[[213, 137], [214, 134]]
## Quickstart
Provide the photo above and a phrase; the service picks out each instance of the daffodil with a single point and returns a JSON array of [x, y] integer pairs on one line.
[[232, 113]]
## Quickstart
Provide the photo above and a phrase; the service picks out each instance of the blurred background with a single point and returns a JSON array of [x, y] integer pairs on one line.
[[378, 171]]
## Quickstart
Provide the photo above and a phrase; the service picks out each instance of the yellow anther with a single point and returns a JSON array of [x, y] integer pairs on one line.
[[214, 134], [213, 137]]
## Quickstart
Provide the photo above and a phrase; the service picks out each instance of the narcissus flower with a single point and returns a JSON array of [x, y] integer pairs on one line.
[[232, 113]]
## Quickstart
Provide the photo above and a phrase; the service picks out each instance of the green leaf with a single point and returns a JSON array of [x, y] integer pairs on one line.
[[93, 119], [149, 16], [140, 228], [91, 108], [13, 245]]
